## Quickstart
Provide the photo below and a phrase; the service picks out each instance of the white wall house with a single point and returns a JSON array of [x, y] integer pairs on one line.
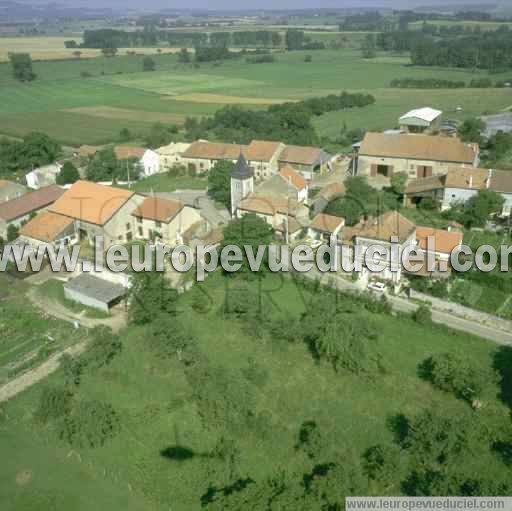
[[459, 184], [43, 176], [150, 163]]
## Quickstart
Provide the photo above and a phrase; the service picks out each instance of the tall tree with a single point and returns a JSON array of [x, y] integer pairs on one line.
[[219, 182], [68, 174], [21, 64]]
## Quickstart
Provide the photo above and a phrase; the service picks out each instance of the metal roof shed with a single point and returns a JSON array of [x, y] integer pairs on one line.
[[93, 292]]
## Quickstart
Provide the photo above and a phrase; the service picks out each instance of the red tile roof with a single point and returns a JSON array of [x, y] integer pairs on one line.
[[30, 202], [160, 210]]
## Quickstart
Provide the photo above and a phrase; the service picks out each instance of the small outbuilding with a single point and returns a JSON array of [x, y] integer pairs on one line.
[[94, 292], [421, 120]]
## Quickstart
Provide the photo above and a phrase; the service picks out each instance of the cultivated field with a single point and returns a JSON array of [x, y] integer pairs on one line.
[[91, 100], [52, 48]]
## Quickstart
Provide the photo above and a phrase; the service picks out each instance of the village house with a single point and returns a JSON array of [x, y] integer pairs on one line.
[[421, 120], [457, 185], [202, 155], [381, 155], [150, 163], [171, 155], [18, 211], [48, 229], [287, 183], [10, 190], [263, 157], [278, 212], [43, 176], [325, 227], [304, 159], [99, 210], [164, 220], [392, 230], [444, 242]]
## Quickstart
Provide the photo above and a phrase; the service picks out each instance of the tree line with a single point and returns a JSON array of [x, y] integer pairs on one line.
[[487, 50], [289, 122]]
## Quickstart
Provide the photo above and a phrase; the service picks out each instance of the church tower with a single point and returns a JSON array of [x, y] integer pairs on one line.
[[242, 182]]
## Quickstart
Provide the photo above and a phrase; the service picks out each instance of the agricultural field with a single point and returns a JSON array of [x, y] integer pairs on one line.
[[52, 48], [28, 335], [155, 402], [91, 100]]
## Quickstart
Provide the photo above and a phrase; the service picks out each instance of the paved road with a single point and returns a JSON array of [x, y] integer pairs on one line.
[[400, 304]]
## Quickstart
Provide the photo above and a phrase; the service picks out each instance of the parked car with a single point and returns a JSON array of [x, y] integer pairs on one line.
[[378, 287]]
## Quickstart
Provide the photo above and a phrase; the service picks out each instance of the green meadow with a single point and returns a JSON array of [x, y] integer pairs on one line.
[[155, 403], [49, 103]]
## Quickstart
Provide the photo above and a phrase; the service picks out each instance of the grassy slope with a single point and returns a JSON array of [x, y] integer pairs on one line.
[[154, 401], [39, 105]]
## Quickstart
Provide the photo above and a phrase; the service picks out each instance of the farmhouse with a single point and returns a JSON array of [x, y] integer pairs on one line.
[[43, 176], [171, 155], [458, 185], [49, 229], [10, 190], [99, 211], [164, 220], [381, 155], [303, 158], [202, 155], [18, 211], [421, 120]]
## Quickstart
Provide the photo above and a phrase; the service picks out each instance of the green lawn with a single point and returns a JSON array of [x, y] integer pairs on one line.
[[155, 404]]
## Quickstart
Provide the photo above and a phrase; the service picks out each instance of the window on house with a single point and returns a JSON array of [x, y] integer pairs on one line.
[[141, 231], [158, 224], [139, 219], [128, 227]]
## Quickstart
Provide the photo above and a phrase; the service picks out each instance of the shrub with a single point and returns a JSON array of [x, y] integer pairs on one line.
[[54, 403], [422, 315], [308, 58], [90, 424], [453, 373]]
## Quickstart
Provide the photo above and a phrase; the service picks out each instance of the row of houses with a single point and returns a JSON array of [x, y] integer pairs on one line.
[[88, 210]]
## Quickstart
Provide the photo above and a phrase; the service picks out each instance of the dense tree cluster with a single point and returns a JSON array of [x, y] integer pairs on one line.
[[21, 64], [150, 36], [289, 122], [34, 150], [486, 50]]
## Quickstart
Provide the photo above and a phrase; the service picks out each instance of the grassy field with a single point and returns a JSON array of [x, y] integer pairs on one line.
[[154, 401], [118, 94]]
